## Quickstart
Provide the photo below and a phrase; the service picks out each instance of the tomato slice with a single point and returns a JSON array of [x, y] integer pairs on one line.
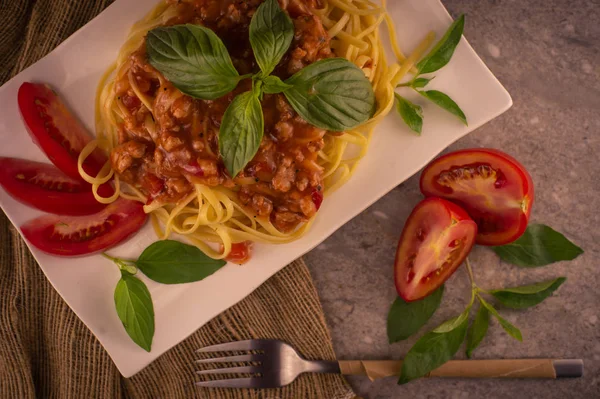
[[240, 252], [494, 189], [436, 239], [80, 235], [55, 130], [44, 187]]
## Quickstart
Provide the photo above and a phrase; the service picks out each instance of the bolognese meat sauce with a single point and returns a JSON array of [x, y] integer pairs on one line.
[[164, 152]]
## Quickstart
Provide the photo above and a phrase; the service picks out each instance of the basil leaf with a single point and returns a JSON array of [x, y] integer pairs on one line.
[[194, 59], [454, 323], [332, 94], [527, 295], [508, 327], [441, 53], [135, 309], [406, 318], [421, 82], [271, 33], [173, 262], [445, 102], [431, 351], [241, 131], [478, 330], [540, 245], [412, 114], [273, 85]]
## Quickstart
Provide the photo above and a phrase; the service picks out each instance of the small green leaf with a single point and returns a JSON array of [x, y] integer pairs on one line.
[[135, 309], [540, 245], [332, 94], [173, 262], [412, 114], [421, 82], [478, 330], [442, 52], [456, 322], [274, 85], [241, 132], [445, 102], [406, 318], [271, 33], [431, 351], [194, 59], [508, 327], [527, 295]]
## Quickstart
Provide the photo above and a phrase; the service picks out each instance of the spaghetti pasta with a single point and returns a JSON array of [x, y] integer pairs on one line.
[[214, 214]]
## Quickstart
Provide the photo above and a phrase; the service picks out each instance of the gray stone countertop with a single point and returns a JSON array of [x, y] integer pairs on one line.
[[547, 54]]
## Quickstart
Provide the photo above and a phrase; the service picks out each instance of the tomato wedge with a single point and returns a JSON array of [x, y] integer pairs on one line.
[[493, 187], [436, 239], [46, 188], [80, 235], [55, 130], [240, 252]]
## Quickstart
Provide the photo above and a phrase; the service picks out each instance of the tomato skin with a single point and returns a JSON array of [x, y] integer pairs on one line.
[[55, 130], [241, 252], [493, 187], [83, 235], [437, 237], [44, 187]]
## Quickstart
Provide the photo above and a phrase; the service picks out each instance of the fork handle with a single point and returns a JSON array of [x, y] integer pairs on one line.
[[500, 368]]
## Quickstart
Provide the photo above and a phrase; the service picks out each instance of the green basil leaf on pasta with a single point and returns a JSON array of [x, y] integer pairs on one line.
[[173, 262], [406, 318], [332, 94], [412, 114], [135, 309], [421, 82], [241, 131], [540, 245], [271, 33], [526, 296], [273, 85], [442, 52], [431, 351], [478, 330], [194, 59], [445, 102]]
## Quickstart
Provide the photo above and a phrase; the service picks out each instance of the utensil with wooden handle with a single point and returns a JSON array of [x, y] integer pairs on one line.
[[274, 363]]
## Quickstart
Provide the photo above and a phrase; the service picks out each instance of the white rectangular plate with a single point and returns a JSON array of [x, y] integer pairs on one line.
[[87, 284]]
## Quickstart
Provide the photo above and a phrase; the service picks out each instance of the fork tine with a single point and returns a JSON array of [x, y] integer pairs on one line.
[[231, 370], [231, 346], [240, 358], [232, 383]]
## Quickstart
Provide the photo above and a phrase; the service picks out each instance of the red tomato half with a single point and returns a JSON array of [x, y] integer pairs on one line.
[[55, 130], [494, 189], [436, 239], [240, 252], [80, 235], [44, 187]]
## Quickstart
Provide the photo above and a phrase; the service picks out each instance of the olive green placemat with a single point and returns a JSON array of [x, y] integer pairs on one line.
[[47, 352]]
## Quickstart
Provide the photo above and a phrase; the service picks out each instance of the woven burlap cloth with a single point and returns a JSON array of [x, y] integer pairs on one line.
[[47, 352]]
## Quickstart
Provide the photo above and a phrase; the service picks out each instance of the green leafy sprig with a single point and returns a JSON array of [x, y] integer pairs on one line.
[[332, 94], [437, 58], [540, 245]]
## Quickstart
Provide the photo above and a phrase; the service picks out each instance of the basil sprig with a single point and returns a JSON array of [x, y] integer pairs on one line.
[[437, 58], [194, 59], [166, 262], [332, 94], [540, 245], [406, 318], [271, 33], [135, 309], [527, 296]]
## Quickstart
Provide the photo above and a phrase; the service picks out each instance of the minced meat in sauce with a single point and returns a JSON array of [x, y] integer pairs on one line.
[[283, 181]]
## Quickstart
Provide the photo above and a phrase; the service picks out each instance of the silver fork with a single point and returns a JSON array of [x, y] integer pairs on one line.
[[275, 364]]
